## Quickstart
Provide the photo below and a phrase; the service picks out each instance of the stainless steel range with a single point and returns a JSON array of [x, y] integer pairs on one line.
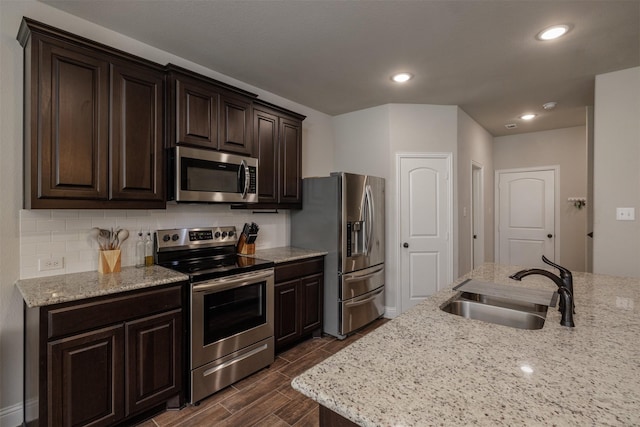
[[231, 308]]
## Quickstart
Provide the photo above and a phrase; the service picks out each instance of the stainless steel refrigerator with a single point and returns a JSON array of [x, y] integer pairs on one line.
[[343, 214]]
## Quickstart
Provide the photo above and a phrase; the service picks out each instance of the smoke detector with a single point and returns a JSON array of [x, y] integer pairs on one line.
[[549, 105], [511, 125]]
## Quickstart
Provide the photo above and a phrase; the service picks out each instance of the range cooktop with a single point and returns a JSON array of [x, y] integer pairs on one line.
[[204, 253]]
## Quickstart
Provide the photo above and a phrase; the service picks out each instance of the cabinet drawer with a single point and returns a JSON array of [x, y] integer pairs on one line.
[[296, 269], [78, 317]]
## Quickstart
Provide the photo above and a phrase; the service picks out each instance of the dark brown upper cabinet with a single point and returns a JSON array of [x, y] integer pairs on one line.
[[278, 141], [208, 114], [137, 143], [93, 124]]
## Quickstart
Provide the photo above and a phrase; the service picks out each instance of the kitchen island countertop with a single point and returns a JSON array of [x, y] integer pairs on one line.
[[428, 367], [43, 291], [286, 254]]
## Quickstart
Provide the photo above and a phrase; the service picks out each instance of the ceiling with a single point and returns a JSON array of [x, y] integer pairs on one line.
[[337, 56]]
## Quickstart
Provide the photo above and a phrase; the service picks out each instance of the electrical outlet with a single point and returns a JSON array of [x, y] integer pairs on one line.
[[625, 214], [53, 263]]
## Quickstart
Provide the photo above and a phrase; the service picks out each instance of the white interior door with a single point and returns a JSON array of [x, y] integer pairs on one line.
[[477, 221], [425, 226], [525, 209]]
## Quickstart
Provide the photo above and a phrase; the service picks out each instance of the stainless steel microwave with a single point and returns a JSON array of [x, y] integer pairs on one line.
[[197, 175]]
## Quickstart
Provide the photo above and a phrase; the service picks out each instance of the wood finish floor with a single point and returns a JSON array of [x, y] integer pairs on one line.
[[266, 398]]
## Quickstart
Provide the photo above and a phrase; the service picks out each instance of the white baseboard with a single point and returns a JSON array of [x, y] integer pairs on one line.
[[390, 312], [11, 416]]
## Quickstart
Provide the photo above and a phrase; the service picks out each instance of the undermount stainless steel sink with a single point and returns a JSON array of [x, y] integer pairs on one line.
[[504, 302], [497, 310]]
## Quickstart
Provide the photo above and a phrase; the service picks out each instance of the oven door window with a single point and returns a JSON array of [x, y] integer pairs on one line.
[[203, 175], [232, 311]]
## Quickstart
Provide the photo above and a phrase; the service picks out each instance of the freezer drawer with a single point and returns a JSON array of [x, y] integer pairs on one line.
[[360, 311], [360, 282]]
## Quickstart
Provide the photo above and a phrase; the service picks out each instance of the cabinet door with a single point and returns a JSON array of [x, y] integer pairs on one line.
[[311, 303], [154, 360], [287, 324], [137, 141], [87, 378], [265, 132], [290, 161], [235, 125], [196, 114], [70, 103]]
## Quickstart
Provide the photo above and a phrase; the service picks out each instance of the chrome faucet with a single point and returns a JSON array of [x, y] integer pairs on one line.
[[565, 288]]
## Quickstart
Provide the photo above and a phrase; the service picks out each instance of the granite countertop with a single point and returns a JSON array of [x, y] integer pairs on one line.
[[428, 367], [285, 254], [50, 290]]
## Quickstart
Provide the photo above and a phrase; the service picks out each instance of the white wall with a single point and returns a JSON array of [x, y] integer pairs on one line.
[[367, 141], [616, 244], [54, 231], [566, 148], [419, 129], [475, 146], [362, 142]]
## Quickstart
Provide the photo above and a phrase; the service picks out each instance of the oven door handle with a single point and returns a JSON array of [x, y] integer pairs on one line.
[[235, 281]]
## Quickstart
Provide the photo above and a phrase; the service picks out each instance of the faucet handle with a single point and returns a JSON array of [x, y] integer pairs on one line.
[[564, 272]]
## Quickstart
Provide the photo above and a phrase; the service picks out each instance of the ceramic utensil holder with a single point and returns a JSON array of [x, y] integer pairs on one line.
[[109, 261]]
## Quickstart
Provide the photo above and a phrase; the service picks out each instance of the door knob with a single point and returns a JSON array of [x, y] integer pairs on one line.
[[405, 245], [549, 235]]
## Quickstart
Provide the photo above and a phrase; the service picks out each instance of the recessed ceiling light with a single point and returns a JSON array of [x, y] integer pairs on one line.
[[402, 77], [526, 369], [553, 33], [527, 116]]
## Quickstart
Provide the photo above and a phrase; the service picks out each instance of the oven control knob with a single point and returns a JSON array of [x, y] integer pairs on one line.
[[217, 235], [175, 237], [231, 233], [224, 234], [166, 238]]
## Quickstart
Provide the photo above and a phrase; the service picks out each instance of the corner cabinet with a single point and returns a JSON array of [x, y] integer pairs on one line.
[[94, 134], [298, 301], [208, 114], [104, 360], [278, 140]]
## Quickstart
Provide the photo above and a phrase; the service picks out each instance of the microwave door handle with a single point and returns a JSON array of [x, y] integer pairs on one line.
[[244, 170]]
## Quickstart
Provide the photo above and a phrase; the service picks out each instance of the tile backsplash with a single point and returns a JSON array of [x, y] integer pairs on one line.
[[65, 233]]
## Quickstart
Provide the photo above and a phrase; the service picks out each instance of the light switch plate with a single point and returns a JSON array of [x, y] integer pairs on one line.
[[626, 214]]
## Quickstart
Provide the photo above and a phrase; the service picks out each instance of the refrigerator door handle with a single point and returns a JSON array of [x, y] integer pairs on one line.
[[357, 302], [370, 219], [361, 276]]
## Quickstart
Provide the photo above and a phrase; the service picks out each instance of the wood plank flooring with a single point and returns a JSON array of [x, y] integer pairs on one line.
[[266, 398]]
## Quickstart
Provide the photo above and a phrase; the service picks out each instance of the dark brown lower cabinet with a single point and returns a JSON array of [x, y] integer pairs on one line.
[[87, 378], [104, 361], [298, 300], [328, 418], [152, 351]]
